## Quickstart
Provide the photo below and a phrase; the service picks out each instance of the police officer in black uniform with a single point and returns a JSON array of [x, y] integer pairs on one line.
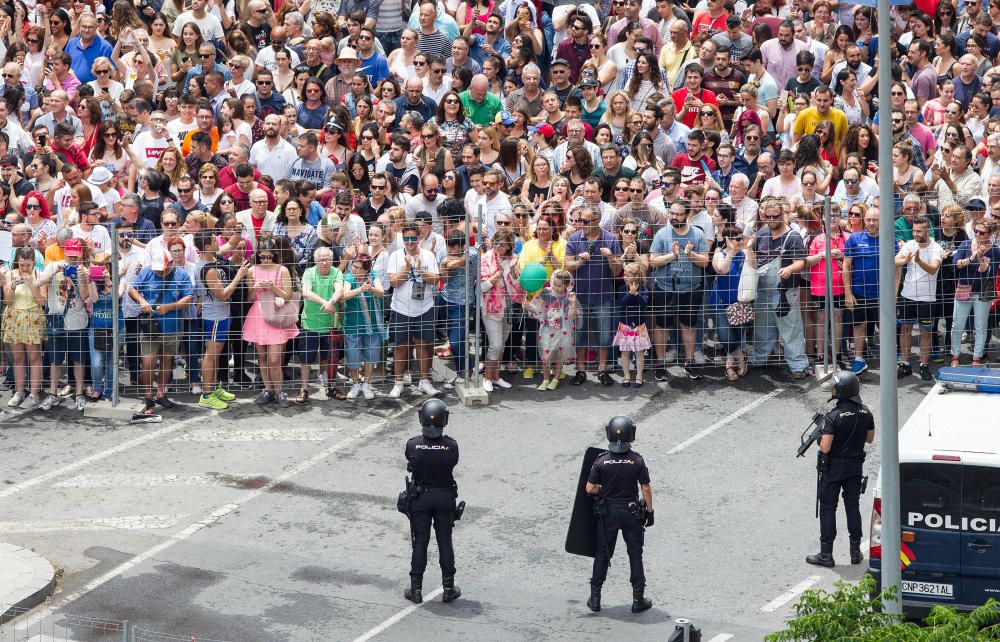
[[846, 430], [431, 457], [614, 481]]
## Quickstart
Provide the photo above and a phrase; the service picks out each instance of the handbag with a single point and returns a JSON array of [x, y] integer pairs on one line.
[[739, 313], [285, 315], [103, 338], [963, 292], [746, 290]]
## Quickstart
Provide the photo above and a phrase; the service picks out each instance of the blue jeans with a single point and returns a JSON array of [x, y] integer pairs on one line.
[[981, 311], [101, 366], [732, 338], [390, 39], [457, 324], [768, 326]]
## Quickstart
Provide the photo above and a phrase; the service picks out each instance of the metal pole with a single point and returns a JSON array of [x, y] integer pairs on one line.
[[888, 403], [828, 324], [468, 295], [115, 316], [481, 233]]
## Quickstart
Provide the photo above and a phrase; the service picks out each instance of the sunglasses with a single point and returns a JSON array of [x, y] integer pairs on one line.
[[630, 232], [850, 181], [504, 223], [707, 113], [173, 224], [981, 232], [264, 82], [621, 189], [752, 137], [126, 235], [29, 206], [855, 214]]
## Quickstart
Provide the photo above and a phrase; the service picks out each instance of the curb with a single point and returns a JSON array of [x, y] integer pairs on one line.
[[26, 580]]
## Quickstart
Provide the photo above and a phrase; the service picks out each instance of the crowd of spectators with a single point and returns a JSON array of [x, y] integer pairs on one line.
[[337, 183]]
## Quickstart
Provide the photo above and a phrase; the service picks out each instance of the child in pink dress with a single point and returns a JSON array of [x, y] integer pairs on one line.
[[558, 314]]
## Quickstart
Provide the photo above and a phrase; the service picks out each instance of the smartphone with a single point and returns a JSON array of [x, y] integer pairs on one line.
[[43, 140]]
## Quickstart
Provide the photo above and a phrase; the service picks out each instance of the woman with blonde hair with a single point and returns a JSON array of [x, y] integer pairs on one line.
[[710, 119], [498, 273], [618, 113], [208, 185], [432, 156], [538, 181], [24, 326], [488, 142], [560, 192], [171, 163]]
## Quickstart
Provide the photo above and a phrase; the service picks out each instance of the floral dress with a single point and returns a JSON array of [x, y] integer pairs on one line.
[[556, 341], [455, 134]]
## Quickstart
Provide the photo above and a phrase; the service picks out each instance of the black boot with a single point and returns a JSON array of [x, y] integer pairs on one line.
[[415, 593], [640, 602], [856, 556], [824, 557], [451, 592], [594, 601]]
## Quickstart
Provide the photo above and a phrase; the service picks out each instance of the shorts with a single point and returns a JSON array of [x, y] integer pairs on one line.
[[405, 328], [313, 347], [915, 312], [597, 326], [160, 344], [217, 331], [362, 348], [675, 307], [865, 310], [820, 301], [72, 346]]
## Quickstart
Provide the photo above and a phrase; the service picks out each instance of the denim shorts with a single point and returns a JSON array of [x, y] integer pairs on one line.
[[313, 347], [71, 345], [597, 328], [362, 348]]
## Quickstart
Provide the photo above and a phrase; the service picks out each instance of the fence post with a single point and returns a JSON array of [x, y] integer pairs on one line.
[[125, 631], [115, 317], [481, 232], [830, 323]]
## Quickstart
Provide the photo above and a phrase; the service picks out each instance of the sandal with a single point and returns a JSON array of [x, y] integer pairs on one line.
[[303, 397], [732, 374], [334, 393], [638, 383], [94, 396], [741, 369]]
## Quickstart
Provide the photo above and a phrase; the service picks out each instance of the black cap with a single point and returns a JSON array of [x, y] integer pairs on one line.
[[9, 159], [559, 61]]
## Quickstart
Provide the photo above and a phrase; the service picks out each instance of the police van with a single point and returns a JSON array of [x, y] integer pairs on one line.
[[949, 465]]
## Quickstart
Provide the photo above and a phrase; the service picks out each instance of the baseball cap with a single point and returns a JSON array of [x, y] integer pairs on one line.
[[544, 129], [505, 118], [588, 81], [74, 247], [8, 159], [976, 204], [559, 61], [331, 220], [161, 259]]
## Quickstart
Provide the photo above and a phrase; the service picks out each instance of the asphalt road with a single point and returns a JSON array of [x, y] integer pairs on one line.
[[281, 525]]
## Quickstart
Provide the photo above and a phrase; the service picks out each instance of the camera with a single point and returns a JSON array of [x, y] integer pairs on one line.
[[70, 271]]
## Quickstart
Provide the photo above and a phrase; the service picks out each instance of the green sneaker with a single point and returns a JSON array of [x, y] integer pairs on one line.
[[212, 403], [222, 393]]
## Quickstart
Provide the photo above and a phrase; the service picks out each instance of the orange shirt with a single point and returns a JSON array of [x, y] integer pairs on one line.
[[186, 145]]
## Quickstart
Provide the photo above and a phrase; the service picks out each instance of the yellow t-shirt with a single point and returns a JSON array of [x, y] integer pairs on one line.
[[532, 252], [808, 118]]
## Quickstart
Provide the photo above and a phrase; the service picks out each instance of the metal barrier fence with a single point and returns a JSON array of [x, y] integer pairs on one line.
[[667, 308], [62, 627]]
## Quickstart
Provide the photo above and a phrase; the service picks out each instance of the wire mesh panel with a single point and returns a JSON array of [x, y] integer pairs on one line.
[[62, 627], [140, 634]]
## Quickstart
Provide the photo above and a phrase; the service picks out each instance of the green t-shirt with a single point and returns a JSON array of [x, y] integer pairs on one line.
[[484, 113], [313, 318]]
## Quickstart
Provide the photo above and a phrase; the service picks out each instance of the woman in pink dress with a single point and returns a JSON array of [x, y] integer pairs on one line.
[[271, 283]]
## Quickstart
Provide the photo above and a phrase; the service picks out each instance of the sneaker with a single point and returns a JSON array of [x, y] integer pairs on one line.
[[196, 389], [180, 362], [605, 378], [223, 394], [396, 391], [264, 397], [407, 379], [81, 402], [937, 357], [16, 400], [322, 380], [367, 392], [212, 402], [282, 399], [448, 385], [799, 375], [529, 372], [903, 370], [579, 378], [50, 402], [355, 391], [554, 383], [661, 374], [31, 401], [671, 356], [544, 385], [700, 358], [487, 385], [503, 384], [65, 391], [925, 372], [425, 387], [691, 372], [858, 366]]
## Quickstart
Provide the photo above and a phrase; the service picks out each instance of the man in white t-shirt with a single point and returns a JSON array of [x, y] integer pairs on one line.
[[90, 231], [211, 27], [266, 56], [185, 123], [920, 259], [413, 274], [148, 145], [273, 155], [493, 202], [62, 192], [426, 201]]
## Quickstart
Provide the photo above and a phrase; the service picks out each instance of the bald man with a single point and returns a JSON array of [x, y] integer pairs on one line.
[[413, 99], [481, 105]]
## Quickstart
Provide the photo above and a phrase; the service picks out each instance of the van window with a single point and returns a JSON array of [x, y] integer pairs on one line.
[[981, 496], [931, 488]]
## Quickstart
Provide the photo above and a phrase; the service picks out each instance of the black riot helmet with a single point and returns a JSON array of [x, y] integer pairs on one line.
[[845, 385], [433, 416], [621, 434]]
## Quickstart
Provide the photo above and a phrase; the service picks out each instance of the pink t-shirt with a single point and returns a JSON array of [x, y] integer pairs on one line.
[[817, 273], [925, 137]]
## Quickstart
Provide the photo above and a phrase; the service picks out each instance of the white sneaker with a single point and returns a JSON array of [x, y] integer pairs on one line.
[[407, 379], [671, 356], [448, 385], [355, 391], [503, 384], [50, 402], [81, 402], [700, 358], [487, 385], [29, 402], [367, 391], [196, 389], [425, 387], [322, 380], [16, 400], [396, 391]]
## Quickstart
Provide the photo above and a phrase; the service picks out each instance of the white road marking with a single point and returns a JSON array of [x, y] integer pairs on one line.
[[208, 520], [791, 594], [10, 491], [722, 637], [115, 480], [725, 420], [399, 616], [287, 434], [130, 523]]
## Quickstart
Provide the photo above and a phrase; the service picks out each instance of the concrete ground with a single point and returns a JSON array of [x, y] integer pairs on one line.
[[281, 524]]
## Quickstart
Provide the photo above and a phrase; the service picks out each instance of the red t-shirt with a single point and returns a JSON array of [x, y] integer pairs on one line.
[[693, 171], [705, 96], [704, 23], [243, 199]]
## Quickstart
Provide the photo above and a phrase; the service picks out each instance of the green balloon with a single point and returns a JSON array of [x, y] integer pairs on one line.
[[533, 277]]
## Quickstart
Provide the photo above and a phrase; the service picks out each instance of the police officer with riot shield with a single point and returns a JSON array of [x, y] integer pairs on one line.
[[846, 430], [431, 457], [614, 481]]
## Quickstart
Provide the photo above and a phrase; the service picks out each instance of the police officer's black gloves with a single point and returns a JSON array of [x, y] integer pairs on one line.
[[649, 519]]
